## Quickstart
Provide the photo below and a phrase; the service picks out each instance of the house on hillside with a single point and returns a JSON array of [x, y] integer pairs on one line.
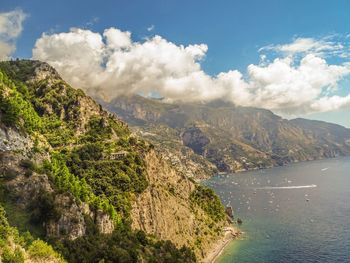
[[118, 155]]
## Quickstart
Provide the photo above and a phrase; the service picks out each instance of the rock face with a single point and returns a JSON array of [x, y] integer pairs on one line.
[[232, 138], [103, 222], [229, 211], [71, 223], [26, 190], [12, 140], [195, 139], [164, 209], [41, 71]]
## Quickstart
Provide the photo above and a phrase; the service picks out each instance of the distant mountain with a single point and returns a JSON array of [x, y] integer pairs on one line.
[[229, 137]]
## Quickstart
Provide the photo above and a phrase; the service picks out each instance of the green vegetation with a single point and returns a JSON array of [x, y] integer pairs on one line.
[[4, 225], [115, 179], [23, 219], [57, 132], [41, 251], [82, 144], [15, 109], [98, 130], [18, 70], [68, 182], [13, 245], [81, 170], [205, 198], [125, 246]]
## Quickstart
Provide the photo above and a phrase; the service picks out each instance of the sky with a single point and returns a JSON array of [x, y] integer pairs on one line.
[[292, 57]]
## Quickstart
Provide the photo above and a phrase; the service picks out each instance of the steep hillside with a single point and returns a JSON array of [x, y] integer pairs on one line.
[[74, 175], [23, 248], [229, 137]]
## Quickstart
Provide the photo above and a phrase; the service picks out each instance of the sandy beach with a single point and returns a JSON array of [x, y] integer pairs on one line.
[[230, 233]]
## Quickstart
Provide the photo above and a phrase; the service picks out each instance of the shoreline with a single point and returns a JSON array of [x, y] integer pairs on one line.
[[241, 171], [231, 234]]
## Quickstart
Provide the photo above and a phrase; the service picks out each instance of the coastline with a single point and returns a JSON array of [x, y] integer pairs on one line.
[[241, 171], [230, 234]]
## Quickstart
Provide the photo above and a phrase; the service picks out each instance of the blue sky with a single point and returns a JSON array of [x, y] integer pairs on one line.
[[234, 31]]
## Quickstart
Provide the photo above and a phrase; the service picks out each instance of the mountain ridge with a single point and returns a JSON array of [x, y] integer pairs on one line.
[[229, 137]]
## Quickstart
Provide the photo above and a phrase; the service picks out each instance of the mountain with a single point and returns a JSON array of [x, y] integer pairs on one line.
[[77, 185], [221, 136]]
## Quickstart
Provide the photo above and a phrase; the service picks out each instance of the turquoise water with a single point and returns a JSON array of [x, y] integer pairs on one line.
[[297, 213]]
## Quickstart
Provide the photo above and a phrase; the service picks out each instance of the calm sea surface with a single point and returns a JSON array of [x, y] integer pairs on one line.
[[297, 213]]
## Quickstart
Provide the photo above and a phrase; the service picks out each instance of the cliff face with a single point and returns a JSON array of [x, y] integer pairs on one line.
[[229, 137], [20, 153], [76, 175], [164, 209]]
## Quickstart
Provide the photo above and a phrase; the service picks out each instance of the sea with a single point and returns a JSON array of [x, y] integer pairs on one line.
[[295, 213]]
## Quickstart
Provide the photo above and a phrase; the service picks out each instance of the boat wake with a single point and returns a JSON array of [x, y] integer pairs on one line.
[[287, 187]]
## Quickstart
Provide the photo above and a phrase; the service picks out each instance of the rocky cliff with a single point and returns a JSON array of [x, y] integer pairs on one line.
[[231, 138], [165, 211], [73, 174]]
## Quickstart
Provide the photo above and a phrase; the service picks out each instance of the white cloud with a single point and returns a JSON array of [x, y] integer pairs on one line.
[[117, 39], [111, 64], [10, 29], [150, 28], [330, 103], [284, 87], [326, 46]]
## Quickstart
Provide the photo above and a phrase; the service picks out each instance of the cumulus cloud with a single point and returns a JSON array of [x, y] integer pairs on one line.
[[282, 86], [110, 64], [10, 29]]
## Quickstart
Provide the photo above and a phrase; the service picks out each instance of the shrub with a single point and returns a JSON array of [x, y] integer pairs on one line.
[[9, 174], [43, 208], [12, 257], [29, 166], [205, 198], [43, 252]]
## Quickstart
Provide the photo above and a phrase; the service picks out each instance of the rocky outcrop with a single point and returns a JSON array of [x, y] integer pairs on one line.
[[24, 189], [41, 71], [195, 139], [12, 140], [103, 222], [71, 222]]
